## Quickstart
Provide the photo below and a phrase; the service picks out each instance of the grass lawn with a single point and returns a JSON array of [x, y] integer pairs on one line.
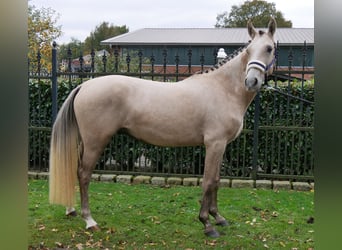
[[150, 217]]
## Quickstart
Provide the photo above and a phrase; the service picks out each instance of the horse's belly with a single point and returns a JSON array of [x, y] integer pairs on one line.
[[166, 136]]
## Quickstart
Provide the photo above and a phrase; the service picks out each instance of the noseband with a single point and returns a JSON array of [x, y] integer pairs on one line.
[[260, 65]]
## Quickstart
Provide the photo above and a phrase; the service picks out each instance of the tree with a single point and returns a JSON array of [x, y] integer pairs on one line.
[[42, 31], [75, 46], [258, 11], [102, 32]]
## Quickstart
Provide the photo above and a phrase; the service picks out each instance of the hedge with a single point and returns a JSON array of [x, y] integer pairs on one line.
[[285, 138]]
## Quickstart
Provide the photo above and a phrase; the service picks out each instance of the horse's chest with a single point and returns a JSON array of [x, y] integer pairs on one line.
[[238, 132], [233, 127]]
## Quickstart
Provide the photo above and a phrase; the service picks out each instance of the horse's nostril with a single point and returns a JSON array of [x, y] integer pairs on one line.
[[251, 82], [255, 81]]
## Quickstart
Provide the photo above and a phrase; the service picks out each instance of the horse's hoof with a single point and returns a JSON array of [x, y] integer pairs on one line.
[[95, 228], [222, 223], [72, 214], [212, 233]]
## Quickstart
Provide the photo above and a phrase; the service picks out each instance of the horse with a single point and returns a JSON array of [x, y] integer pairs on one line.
[[204, 109]]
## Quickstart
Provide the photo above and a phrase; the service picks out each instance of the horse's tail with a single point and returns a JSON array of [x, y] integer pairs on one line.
[[64, 154]]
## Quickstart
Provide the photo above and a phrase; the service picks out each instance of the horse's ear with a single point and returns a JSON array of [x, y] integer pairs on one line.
[[272, 25], [251, 29]]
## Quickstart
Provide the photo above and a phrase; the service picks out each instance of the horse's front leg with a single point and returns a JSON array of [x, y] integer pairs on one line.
[[213, 210], [211, 178]]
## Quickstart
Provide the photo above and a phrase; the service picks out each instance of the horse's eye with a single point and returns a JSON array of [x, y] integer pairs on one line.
[[269, 49]]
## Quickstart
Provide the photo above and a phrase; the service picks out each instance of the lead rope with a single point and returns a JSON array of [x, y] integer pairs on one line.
[[279, 91]]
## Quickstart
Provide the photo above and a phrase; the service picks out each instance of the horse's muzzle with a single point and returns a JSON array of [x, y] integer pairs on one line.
[[253, 82]]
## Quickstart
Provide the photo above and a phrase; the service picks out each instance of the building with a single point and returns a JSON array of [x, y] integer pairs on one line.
[[199, 46]]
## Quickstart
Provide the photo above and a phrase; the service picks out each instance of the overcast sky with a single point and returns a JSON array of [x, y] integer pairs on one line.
[[79, 17]]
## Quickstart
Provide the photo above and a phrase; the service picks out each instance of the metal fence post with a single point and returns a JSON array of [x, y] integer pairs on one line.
[[54, 82], [256, 136]]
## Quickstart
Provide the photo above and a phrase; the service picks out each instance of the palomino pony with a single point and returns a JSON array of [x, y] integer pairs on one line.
[[204, 109]]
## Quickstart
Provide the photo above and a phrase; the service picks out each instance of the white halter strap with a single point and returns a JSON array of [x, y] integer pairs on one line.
[[257, 65]]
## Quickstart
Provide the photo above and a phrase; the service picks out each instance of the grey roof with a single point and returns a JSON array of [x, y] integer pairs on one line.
[[206, 36]]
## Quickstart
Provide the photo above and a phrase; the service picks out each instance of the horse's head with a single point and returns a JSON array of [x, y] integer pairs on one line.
[[261, 55]]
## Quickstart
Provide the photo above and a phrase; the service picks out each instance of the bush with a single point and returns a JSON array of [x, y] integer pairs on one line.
[[40, 121]]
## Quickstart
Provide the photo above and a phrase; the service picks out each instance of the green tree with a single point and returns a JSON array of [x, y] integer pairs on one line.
[[42, 31], [258, 11], [102, 32], [75, 46]]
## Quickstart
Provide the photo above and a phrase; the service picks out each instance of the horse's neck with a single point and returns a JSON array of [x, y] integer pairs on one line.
[[233, 78]]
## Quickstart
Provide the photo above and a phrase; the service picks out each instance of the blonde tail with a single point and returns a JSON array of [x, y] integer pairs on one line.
[[64, 154]]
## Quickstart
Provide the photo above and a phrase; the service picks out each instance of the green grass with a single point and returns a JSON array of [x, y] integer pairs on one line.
[[149, 217]]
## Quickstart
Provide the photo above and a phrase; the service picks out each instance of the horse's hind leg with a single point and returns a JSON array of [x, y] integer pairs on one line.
[[70, 211], [85, 169]]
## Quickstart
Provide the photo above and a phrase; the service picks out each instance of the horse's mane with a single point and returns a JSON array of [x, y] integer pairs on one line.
[[228, 58]]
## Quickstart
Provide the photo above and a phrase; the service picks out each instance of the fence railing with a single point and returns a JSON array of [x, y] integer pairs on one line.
[[276, 141]]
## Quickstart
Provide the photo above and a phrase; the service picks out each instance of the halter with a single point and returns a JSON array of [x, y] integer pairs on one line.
[[257, 65], [260, 65]]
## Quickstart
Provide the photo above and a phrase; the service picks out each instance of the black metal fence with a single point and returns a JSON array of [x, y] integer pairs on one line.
[[276, 142]]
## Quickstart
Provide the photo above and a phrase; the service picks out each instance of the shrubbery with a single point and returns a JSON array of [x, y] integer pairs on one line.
[[285, 137]]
